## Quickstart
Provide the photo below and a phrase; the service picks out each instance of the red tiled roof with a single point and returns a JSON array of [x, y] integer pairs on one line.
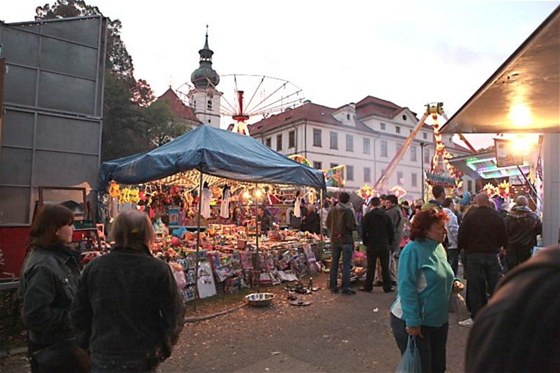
[[307, 111], [317, 113], [178, 107]]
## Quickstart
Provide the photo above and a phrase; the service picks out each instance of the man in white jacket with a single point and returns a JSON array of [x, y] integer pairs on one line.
[[452, 227]]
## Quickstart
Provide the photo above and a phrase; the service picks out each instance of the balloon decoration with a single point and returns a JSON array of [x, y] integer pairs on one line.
[[366, 192], [398, 191]]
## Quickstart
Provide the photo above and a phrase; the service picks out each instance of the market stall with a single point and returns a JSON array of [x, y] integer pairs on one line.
[[208, 157]]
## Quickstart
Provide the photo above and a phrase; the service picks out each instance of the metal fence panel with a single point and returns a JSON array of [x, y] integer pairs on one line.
[[83, 134], [65, 93], [16, 166], [19, 86], [14, 203], [19, 134], [53, 89], [78, 168]]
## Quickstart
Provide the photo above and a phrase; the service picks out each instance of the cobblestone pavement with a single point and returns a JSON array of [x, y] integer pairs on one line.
[[335, 333]]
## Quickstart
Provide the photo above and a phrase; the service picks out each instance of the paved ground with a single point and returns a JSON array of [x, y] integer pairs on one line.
[[336, 333]]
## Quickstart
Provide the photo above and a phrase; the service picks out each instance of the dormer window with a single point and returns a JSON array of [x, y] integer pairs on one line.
[[404, 117], [347, 116]]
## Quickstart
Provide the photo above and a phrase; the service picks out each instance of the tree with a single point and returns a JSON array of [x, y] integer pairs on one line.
[[142, 94], [162, 124]]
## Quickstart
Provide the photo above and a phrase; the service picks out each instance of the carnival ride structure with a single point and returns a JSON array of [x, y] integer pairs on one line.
[[254, 97], [441, 171]]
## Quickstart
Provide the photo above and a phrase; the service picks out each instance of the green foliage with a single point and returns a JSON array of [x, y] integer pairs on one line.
[[162, 124], [132, 122]]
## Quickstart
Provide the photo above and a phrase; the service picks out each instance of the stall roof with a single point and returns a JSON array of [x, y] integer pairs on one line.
[[214, 152], [523, 95]]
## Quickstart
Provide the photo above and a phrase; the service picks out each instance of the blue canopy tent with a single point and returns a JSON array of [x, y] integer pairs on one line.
[[213, 152]]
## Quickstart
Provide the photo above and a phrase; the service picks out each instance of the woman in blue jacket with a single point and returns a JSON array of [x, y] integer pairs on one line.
[[425, 283]]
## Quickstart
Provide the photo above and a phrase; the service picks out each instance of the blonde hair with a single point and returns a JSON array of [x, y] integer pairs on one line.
[[132, 227]]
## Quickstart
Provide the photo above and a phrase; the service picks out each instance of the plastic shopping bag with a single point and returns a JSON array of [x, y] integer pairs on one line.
[[410, 361]]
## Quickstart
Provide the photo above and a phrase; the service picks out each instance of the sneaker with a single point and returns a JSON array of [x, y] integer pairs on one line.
[[348, 291], [366, 289], [468, 323], [334, 290]]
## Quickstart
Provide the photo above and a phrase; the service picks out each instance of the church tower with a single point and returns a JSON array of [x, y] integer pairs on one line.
[[204, 98]]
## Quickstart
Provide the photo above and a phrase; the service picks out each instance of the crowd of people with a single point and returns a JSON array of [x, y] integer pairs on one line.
[[123, 312]]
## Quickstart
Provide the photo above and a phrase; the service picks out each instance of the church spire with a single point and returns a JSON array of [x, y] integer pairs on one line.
[[205, 76]]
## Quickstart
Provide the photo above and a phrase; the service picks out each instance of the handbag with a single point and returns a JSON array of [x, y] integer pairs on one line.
[[63, 356], [410, 361]]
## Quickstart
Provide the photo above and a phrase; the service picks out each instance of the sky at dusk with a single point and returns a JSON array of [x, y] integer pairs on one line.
[[409, 53]]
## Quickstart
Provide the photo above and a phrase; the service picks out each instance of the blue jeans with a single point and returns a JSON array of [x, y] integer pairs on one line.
[[346, 250], [432, 346], [453, 259], [484, 271]]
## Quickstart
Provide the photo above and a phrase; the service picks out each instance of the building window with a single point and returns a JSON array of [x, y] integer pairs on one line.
[[269, 142], [414, 179], [413, 153], [367, 146], [209, 105], [350, 173], [292, 139], [349, 143], [317, 165], [333, 165], [334, 140], [317, 137], [382, 126], [469, 186], [347, 116], [425, 135], [427, 156], [400, 177], [279, 142], [404, 117], [397, 129], [384, 148], [367, 175]]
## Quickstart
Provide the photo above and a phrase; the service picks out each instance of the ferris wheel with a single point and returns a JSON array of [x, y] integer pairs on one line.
[[249, 98]]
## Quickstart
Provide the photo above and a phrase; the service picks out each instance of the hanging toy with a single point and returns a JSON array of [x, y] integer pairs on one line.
[[114, 190]]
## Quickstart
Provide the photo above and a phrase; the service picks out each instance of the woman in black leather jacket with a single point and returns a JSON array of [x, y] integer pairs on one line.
[[49, 278]]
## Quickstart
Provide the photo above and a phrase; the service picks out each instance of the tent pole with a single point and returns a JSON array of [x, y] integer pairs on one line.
[[257, 236], [198, 232], [321, 216]]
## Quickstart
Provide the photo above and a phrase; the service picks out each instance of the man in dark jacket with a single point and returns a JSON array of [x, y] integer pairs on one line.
[[377, 235], [522, 226], [519, 329], [341, 223], [482, 235]]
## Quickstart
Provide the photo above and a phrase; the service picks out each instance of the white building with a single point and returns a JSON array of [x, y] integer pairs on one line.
[[364, 137]]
